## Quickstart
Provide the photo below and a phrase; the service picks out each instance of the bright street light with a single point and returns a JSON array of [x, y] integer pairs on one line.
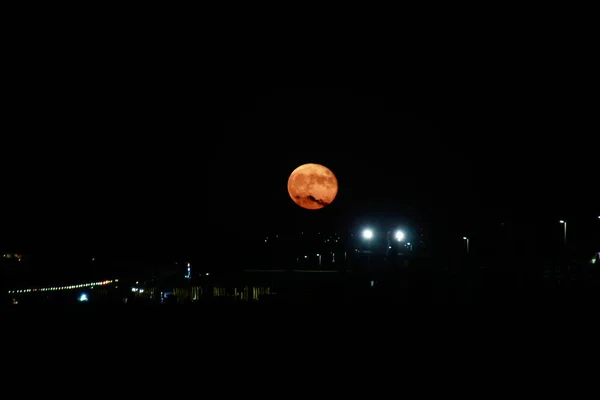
[[467, 239], [399, 236], [368, 235]]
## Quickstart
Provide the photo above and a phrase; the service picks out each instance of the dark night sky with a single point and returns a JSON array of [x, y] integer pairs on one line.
[[458, 165], [131, 162]]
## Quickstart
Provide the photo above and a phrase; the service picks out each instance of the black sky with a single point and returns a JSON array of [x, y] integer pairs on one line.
[[132, 162], [464, 161]]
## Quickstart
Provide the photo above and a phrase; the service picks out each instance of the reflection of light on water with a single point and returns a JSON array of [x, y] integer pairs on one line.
[[246, 294]]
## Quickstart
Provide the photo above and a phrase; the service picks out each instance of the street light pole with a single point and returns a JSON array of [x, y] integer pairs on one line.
[[565, 234], [368, 235], [467, 239]]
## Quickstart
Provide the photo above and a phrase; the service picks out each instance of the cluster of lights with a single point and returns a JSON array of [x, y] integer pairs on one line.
[[267, 238], [333, 237], [368, 234], [326, 239], [71, 287]]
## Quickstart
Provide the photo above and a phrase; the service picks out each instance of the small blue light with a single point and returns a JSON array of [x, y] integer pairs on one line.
[[83, 297]]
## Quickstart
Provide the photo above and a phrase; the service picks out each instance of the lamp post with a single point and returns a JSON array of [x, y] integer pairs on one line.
[[565, 230], [399, 236], [368, 235], [467, 239]]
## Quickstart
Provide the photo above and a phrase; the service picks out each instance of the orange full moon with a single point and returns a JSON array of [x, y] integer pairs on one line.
[[312, 186]]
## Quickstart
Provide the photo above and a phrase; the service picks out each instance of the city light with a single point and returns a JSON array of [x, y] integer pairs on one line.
[[83, 297], [368, 234], [399, 236], [71, 287], [561, 221]]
